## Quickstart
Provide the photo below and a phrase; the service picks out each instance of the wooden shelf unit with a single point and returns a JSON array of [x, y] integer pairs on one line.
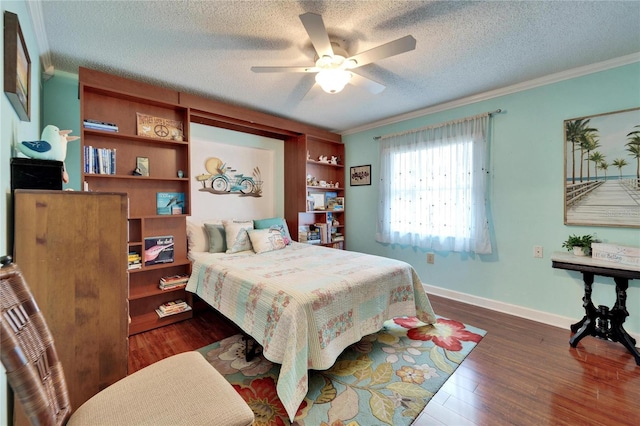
[[116, 100], [330, 174]]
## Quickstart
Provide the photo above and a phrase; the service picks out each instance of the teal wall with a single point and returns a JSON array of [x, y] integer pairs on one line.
[[526, 199], [13, 130], [61, 107]]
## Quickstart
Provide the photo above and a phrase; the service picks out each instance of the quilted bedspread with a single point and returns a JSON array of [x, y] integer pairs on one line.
[[305, 304]]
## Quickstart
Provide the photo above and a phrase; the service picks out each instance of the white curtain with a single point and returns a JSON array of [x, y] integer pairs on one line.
[[433, 187]]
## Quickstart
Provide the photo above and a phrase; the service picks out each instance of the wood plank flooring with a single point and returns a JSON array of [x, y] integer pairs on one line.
[[521, 373]]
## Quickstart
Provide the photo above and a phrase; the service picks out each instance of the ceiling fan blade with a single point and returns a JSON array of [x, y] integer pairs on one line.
[[366, 83], [317, 33], [392, 48], [284, 69]]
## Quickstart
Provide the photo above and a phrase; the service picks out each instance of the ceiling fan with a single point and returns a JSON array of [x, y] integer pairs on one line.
[[333, 67]]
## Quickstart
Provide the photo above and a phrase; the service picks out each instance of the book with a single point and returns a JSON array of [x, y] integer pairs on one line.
[[325, 232], [170, 202], [173, 306], [182, 278], [134, 254], [99, 160], [173, 282], [97, 127], [162, 314], [158, 250], [172, 286], [308, 233], [135, 260], [99, 123]]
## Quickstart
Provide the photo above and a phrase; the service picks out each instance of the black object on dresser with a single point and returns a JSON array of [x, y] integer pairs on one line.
[[28, 173]]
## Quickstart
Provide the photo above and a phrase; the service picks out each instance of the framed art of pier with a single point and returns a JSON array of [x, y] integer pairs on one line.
[[17, 67], [602, 169]]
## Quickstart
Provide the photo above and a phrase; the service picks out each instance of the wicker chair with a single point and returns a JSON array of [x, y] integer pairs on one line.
[[182, 389]]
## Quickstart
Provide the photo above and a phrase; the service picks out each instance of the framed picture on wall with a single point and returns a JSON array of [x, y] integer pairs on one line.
[[360, 175], [17, 67], [602, 169]]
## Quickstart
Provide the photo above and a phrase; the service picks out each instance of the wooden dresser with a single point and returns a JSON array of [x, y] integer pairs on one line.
[[72, 249]]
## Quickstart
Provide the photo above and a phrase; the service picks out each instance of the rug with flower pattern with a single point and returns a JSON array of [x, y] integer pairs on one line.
[[385, 379]]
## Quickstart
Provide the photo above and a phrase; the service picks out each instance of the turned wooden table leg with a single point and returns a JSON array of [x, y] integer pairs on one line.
[[586, 326], [619, 314]]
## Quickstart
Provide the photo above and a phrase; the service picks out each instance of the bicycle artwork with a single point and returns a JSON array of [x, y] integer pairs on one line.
[[223, 179]]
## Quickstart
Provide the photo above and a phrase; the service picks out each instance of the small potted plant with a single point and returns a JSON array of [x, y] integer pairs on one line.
[[580, 245]]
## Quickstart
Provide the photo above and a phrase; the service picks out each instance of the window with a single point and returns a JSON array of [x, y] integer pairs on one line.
[[432, 188]]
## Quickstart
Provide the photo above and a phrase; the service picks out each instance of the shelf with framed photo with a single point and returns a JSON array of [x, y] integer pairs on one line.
[[145, 131]]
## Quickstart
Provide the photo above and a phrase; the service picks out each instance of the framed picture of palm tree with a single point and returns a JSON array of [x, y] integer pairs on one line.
[[602, 169]]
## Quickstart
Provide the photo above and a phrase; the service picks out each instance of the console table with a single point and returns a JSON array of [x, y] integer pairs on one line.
[[601, 321]]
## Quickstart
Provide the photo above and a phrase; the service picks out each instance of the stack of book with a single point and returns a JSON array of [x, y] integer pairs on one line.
[[100, 161], [99, 125], [173, 281], [135, 260], [325, 232], [172, 308], [309, 234]]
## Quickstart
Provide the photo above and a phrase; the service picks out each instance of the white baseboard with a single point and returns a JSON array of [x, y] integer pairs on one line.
[[507, 308]]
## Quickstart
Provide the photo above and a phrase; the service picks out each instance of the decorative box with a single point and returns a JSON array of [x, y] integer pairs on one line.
[[616, 253]]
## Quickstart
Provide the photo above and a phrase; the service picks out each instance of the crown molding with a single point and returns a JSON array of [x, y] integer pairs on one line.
[[35, 10], [542, 81]]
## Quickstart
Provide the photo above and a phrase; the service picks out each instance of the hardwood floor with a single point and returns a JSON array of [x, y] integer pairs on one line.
[[521, 373]]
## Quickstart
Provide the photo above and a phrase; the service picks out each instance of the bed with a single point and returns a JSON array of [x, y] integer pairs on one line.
[[305, 304]]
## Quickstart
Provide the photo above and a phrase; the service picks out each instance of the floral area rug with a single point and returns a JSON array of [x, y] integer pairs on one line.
[[385, 379]]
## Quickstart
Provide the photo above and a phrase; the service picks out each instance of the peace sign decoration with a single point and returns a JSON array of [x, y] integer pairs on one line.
[[159, 128]]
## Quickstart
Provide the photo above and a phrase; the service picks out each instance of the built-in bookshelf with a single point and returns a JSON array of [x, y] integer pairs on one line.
[[135, 140], [324, 187]]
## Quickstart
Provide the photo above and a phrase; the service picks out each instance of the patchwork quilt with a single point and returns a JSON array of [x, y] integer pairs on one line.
[[305, 304]]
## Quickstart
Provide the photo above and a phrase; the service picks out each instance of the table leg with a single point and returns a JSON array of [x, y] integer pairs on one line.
[[619, 314], [586, 326]]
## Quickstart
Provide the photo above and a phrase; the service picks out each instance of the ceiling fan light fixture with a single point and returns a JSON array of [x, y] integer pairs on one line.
[[333, 80], [324, 62]]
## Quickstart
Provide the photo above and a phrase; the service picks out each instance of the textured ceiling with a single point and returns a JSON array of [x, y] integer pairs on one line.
[[463, 48]]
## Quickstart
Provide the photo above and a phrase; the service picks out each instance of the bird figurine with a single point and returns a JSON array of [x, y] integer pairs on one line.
[[51, 146]]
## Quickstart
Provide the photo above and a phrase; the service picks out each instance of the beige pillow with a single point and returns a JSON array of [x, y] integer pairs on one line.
[[236, 235], [197, 239], [264, 240]]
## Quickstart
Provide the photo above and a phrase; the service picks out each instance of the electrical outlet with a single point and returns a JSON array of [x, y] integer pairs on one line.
[[430, 258], [537, 251]]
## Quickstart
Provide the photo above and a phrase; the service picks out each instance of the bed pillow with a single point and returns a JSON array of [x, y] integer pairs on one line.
[[197, 239], [236, 235], [216, 237], [264, 240], [274, 223]]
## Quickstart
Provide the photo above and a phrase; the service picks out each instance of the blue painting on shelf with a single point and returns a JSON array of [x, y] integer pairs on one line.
[[170, 203]]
